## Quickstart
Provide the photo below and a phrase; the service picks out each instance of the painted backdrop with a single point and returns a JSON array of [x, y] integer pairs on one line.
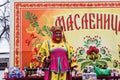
[[92, 28]]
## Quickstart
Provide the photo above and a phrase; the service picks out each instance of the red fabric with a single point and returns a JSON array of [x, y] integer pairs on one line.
[[47, 75]]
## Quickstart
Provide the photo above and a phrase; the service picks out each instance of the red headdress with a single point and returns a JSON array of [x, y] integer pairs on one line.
[[55, 28]]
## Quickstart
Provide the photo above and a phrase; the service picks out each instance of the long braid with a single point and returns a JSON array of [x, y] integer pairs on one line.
[[64, 39]]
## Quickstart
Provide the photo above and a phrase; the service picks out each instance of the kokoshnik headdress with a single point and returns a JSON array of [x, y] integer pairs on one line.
[[55, 28]]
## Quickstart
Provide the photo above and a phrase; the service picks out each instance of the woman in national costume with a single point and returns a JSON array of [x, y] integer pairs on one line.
[[57, 55]]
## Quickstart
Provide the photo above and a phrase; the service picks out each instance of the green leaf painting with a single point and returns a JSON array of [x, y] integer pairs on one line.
[[85, 63]]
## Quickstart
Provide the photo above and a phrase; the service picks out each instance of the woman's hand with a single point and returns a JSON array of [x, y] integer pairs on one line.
[[47, 60]]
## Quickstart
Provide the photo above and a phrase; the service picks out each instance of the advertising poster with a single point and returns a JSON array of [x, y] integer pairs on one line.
[[92, 28]]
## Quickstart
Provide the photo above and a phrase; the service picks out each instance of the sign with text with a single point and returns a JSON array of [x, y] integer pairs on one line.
[[92, 28]]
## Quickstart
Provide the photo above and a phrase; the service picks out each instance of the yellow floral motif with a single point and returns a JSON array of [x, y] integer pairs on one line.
[[30, 29], [93, 56], [119, 50]]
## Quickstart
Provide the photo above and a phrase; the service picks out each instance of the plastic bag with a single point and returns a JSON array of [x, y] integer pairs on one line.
[[102, 72]]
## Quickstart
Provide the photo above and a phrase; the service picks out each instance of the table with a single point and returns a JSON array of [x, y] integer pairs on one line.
[[26, 78], [73, 78], [109, 77]]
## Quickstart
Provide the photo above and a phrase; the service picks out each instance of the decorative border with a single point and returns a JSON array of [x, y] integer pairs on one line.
[[20, 5]]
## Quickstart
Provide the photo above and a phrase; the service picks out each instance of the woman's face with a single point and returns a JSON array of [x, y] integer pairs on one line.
[[57, 36]]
